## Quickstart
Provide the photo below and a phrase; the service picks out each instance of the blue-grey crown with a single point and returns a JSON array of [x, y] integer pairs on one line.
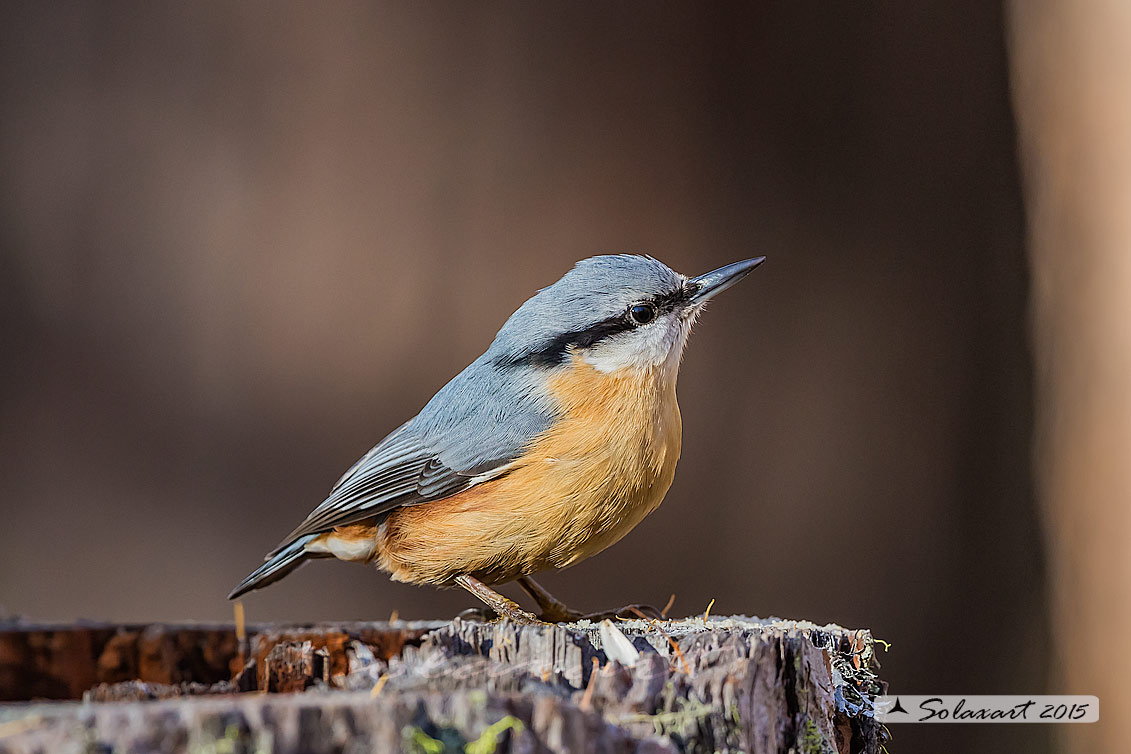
[[584, 304]]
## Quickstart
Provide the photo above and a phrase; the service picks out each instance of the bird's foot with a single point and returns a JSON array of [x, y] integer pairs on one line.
[[497, 603], [553, 609], [556, 611]]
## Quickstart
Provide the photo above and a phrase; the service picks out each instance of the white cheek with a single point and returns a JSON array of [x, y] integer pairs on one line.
[[658, 345]]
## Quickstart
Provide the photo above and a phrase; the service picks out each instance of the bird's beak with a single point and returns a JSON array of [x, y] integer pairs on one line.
[[706, 286]]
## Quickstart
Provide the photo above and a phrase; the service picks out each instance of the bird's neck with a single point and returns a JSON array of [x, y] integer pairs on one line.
[[582, 387]]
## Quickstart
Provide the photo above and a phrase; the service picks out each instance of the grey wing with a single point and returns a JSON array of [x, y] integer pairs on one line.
[[465, 435], [401, 470], [394, 438]]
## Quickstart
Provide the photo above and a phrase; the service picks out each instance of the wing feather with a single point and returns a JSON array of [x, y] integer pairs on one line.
[[399, 471], [466, 435]]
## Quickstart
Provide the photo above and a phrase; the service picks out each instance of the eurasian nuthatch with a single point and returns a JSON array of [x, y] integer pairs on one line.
[[547, 449]]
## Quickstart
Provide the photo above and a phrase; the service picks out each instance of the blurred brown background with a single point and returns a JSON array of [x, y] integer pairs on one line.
[[242, 241]]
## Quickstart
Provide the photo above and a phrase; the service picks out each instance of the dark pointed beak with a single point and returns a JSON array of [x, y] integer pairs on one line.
[[706, 286]]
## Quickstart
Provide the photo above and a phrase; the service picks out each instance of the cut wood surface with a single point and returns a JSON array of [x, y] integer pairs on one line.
[[692, 685]]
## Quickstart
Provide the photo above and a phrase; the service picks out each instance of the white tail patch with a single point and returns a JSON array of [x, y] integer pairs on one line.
[[352, 549]]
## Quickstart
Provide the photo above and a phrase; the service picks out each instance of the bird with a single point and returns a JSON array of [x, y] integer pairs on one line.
[[548, 448]]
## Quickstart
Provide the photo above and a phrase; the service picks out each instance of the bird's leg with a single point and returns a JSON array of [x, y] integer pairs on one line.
[[553, 609], [556, 611], [504, 607]]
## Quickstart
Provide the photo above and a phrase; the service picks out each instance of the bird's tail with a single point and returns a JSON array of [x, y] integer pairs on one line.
[[279, 564]]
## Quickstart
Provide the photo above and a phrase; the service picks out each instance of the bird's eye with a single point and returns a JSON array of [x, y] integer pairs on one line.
[[642, 314]]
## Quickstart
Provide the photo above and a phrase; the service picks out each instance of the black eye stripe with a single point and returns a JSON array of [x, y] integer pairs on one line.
[[555, 351], [680, 296]]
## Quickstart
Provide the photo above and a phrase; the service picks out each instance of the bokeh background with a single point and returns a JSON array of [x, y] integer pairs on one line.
[[240, 242]]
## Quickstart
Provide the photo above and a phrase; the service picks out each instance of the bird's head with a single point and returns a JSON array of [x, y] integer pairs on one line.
[[615, 312]]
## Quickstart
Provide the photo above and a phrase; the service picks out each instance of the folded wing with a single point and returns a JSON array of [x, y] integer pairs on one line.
[[399, 471]]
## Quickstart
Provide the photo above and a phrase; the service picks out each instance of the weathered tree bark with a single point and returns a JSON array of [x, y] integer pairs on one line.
[[1071, 64], [693, 685]]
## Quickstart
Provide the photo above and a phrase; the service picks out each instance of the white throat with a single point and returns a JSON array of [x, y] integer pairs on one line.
[[659, 344]]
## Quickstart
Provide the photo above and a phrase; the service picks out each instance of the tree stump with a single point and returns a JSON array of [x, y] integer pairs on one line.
[[693, 685]]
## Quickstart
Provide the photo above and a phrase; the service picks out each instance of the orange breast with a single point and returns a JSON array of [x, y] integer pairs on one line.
[[604, 466]]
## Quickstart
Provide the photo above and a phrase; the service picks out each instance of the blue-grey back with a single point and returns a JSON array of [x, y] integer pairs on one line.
[[485, 416]]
